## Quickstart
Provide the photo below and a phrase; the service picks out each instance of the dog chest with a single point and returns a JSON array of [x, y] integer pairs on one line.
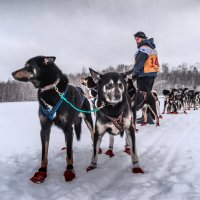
[[112, 128]]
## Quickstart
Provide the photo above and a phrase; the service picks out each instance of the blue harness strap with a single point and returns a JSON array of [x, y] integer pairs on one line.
[[94, 100], [51, 112]]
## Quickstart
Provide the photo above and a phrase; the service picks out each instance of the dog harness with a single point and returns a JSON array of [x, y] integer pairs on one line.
[[51, 112], [94, 101], [118, 122]]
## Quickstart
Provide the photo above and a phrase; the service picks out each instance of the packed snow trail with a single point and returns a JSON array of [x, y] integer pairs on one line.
[[169, 155]]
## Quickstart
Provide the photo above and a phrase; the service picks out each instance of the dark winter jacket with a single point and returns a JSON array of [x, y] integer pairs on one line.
[[141, 57]]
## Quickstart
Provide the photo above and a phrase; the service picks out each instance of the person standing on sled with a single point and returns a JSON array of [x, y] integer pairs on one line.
[[146, 65]]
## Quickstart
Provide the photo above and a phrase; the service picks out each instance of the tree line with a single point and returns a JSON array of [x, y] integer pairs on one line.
[[169, 77]]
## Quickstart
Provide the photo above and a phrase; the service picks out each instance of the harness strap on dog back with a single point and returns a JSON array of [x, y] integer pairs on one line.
[[51, 112]]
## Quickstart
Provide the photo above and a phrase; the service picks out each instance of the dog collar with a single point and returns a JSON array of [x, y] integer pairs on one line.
[[48, 87]]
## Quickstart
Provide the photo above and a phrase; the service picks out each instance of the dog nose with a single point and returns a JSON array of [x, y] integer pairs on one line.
[[13, 74], [117, 96]]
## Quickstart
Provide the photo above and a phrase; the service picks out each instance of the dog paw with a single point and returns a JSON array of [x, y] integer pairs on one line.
[[137, 170], [110, 153], [128, 151], [100, 151], [64, 148], [157, 124], [144, 124], [90, 168], [160, 116], [69, 175], [39, 177], [185, 112]]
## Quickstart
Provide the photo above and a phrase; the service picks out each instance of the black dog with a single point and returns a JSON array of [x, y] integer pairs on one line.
[[139, 101], [52, 84], [116, 115], [89, 83]]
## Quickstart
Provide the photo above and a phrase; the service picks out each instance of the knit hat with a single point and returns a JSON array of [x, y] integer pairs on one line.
[[140, 34]]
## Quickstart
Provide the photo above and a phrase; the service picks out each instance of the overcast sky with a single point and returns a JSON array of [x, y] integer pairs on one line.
[[96, 33]]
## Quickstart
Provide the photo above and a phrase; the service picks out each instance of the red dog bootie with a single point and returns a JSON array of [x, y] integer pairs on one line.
[[143, 123], [69, 175], [137, 169], [127, 150], [110, 153], [100, 151], [39, 176], [90, 168]]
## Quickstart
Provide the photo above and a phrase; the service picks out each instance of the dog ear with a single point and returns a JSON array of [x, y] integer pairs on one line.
[[49, 60], [95, 75], [127, 74]]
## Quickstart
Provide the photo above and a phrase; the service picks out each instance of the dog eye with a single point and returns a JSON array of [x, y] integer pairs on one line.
[[109, 85], [120, 85]]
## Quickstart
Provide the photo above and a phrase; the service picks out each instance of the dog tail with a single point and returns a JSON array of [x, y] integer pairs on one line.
[[77, 128]]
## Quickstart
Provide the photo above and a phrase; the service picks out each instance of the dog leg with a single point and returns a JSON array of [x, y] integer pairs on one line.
[[127, 146], [175, 108], [109, 152], [184, 107], [96, 146], [134, 118], [89, 123], [144, 112], [158, 109], [165, 104], [131, 140], [152, 106], [40, 176], [69, 174]]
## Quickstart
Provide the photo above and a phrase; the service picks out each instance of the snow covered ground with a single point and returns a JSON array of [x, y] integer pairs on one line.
[[169, 155]]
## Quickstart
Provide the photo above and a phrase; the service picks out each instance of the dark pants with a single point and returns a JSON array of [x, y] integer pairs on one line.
[[145, 84]]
